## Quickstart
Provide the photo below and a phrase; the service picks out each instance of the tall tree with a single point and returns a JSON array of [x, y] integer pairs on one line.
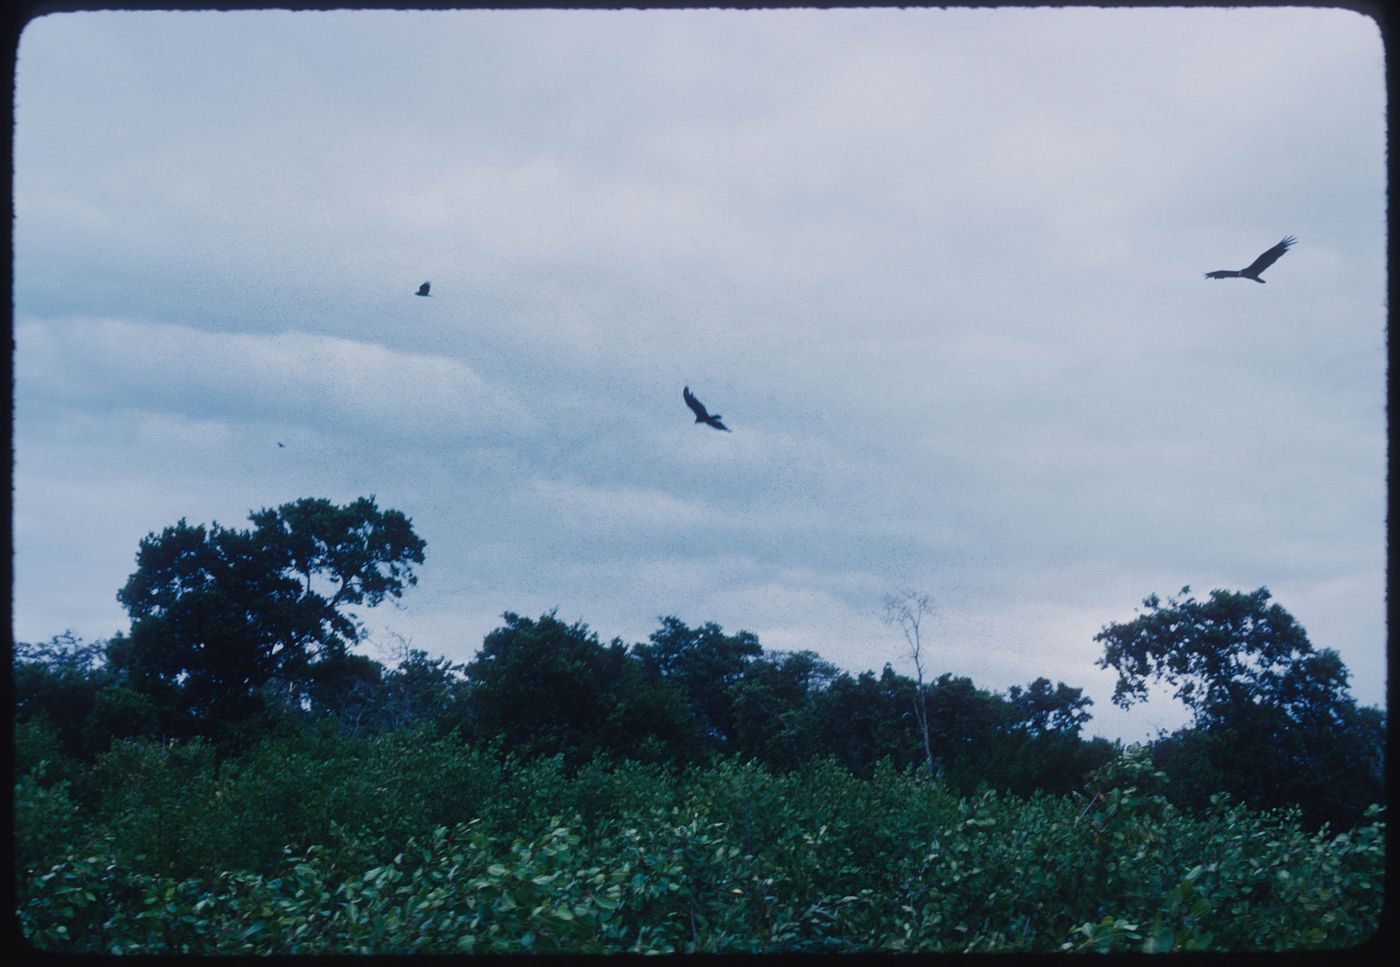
[[1224, 656], [218, 613], [907, 610], [1273, 718]]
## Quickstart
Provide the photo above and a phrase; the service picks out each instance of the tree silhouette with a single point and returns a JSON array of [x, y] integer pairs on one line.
[[1274, 721], [217, 613]]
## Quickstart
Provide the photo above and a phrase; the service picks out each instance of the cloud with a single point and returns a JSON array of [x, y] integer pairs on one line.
[[326, 384], [608, 512]]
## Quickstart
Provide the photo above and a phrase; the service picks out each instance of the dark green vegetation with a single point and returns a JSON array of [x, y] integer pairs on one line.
[[230, 777], [407, 842], [220, 618], [1274, 722]]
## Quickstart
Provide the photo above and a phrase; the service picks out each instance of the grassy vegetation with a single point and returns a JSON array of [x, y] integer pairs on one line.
[[411, 842]]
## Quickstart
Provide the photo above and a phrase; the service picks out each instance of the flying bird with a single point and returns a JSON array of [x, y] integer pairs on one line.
[[280, 443], [422, 289], [1257, 266], [702, 415]]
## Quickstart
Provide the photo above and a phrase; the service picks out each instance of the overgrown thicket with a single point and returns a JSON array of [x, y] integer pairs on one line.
[[232, 776], [406, 842]]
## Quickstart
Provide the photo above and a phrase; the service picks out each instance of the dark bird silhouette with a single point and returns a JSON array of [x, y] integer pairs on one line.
[[702, 415], [1257, 266], [422, 289], [280, 443]]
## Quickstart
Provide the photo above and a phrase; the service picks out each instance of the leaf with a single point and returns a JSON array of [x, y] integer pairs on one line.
[[1159, 942]]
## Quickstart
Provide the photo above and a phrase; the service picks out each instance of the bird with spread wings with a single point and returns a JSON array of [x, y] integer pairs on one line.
[[1257, 266], [702, 415]]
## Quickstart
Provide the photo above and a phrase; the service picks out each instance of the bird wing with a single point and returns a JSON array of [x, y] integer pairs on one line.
[[696, 406], [1269, 257], [1222, 274]]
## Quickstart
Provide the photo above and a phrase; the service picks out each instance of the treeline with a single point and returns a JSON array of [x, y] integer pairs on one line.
[[695, 696], [240, 635], [541, 687]]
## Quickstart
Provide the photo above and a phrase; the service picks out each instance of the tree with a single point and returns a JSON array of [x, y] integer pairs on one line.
[[363, 553], [217, 613], [703, 665], [865, 719], [1041, 711], [774, 707], [1224, 656], [907, 610], [966, 726], [544, 687], [351, 691], [421, 689], [1273, 719], [61, 682]]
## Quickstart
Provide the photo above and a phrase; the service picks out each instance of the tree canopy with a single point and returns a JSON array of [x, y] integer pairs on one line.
[[1223, 655], [1044, 710], [219, 613], [1274, 720]]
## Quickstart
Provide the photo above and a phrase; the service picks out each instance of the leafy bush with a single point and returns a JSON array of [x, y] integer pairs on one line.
[[408, 844]]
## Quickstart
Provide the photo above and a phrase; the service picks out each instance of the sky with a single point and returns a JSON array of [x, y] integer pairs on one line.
[[940, 272]]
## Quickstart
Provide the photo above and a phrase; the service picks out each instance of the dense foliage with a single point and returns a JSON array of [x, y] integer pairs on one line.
[[231, 776], [408, 843], [220, 615], [1253, 681]]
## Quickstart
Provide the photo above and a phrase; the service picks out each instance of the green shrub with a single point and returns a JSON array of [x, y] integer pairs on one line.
[[410, 843]]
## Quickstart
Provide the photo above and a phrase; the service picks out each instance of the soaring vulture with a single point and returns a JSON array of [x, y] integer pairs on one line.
[[422, 289], [702, 415], [1257, 266]]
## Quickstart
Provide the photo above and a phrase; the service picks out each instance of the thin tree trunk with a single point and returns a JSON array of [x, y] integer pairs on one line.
[[907, 610], [921, 715]]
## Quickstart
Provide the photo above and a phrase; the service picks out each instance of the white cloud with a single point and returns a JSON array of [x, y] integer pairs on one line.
[[294, 379]]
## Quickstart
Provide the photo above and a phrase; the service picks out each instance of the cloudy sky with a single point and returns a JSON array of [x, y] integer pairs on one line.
[[939, 270]]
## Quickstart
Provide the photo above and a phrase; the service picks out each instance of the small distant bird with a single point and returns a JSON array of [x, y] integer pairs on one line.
[[702, 415], [1257, 266], [280, 443], [423, 289]]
